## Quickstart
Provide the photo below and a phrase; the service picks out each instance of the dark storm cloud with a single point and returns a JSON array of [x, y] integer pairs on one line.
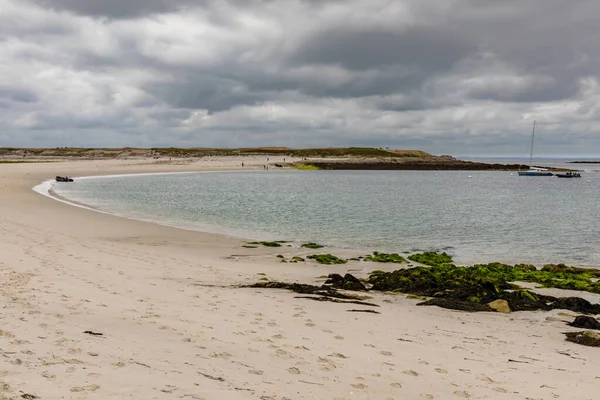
[[116, 8], [425, 49]]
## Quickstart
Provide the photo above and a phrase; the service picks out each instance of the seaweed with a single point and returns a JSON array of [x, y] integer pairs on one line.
[[483, 283], [325, 291], [327, 259], [585, 338], [312, 245], [431, 258], [268, 244], [453, 304], [385, 258]]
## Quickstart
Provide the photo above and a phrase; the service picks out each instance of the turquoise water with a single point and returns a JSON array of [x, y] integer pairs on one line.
[[476, 216]]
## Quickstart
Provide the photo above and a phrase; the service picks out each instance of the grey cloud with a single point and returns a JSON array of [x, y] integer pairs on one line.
[[18, 95]]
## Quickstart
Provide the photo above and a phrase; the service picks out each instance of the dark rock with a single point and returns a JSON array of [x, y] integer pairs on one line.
[[576, 304], [585, 322], [346, 282], [524, 300]]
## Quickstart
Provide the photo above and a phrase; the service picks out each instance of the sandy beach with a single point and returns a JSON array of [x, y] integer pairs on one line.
[[173, 327]]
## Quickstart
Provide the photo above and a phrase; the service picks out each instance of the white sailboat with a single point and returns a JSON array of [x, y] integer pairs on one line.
[[534, 172]]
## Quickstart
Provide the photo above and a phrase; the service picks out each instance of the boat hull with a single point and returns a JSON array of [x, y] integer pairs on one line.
[[535, 173]]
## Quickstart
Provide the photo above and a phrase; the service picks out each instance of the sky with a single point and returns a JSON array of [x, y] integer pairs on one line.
[[458, 77]]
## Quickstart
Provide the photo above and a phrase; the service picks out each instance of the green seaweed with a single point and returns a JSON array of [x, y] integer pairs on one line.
[[431, 258], [327, 259], [250, 246], [385, 258], [297, 259], [312, 245], [268, 244], [483, 283]]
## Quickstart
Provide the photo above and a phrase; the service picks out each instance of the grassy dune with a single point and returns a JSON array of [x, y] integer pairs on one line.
[[99, 153]]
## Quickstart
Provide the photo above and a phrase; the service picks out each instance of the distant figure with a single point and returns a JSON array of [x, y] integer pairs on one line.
[[283, 159], [242, 165]]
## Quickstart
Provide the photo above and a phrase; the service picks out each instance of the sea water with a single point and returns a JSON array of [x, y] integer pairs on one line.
[[475, 216]]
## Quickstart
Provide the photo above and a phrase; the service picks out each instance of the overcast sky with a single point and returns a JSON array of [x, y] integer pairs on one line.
[[460, 77]]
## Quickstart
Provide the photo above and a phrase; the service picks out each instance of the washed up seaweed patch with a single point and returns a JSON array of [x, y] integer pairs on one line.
[[482, 287]]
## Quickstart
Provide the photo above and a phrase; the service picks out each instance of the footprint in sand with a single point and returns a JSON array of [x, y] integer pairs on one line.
[[359, 386], [441, 371], [294, 371], [338, 337], [385, 353], [410, 372], [462, 394], [396, 385], [88, 388]]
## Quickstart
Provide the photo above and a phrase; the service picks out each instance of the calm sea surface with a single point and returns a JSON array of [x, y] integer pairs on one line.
[[476, 216]]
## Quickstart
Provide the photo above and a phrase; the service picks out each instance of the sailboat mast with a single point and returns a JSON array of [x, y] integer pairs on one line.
[[531, 150]]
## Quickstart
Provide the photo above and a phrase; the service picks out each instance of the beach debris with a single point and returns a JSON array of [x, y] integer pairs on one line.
[[500, 306], [585, 338], [29, 396], [325, 291], [385, 258], [327, 259], [334, 300], [312, 245], [346, 282], [214, 378], [365, 311], [585, 322], [94, 333]]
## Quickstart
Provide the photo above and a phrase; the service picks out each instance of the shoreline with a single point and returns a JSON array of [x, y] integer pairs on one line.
[[173, 326]]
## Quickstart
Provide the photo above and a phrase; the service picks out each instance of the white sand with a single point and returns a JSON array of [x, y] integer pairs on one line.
[[173, 329]]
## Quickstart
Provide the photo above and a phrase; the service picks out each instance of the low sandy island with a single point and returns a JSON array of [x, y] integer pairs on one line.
[[172, 326]]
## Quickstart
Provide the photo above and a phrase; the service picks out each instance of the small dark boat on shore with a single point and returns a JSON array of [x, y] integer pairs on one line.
[[569, 175], [63, 179]]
